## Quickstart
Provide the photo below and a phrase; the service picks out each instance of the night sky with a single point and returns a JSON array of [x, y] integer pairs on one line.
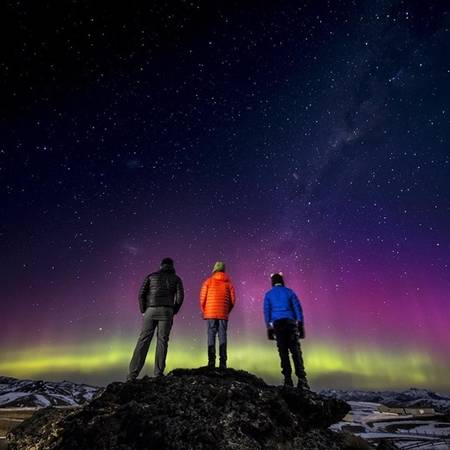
[[310, 138]]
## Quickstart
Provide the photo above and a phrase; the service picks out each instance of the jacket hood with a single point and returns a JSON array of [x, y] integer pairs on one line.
[[167, 269], [221, 276]]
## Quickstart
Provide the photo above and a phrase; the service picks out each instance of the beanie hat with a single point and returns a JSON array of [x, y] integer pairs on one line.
[[167, 262], [277, 278], [219, 266]]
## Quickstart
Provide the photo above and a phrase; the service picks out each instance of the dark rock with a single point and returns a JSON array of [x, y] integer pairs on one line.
[[386, 445], [41, 426], [189, 409]]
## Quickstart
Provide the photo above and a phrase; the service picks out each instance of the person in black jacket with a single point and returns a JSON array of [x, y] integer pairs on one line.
[[160, 298]]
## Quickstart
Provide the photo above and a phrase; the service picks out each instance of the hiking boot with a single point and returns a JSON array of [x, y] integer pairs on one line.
[[222, 356], [288, 382], [303, 384]]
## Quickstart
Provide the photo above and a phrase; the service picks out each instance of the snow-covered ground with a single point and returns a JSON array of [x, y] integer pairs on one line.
[[405, 431], [28, 393], [410, 398]]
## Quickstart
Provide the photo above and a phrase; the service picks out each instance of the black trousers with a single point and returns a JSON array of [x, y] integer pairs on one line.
[[286, 334]]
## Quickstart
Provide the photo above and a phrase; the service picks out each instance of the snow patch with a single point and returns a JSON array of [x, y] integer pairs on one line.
[[29, 393]]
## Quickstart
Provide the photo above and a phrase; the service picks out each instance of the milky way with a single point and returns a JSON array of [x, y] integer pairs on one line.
[[310, 138]]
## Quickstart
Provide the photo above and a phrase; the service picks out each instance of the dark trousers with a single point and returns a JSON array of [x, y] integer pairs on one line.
[[151, 322], [217, 327], [286, 333]]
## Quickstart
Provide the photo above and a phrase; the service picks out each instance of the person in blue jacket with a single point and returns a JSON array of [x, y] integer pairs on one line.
[[284, 318]]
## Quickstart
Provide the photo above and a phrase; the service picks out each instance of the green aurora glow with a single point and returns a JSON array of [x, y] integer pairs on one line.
[[364, 367]]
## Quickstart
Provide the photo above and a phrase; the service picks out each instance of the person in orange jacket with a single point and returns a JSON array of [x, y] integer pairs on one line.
[[217, 299]]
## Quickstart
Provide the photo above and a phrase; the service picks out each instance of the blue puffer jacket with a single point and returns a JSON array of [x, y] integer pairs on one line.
[[281, 303]]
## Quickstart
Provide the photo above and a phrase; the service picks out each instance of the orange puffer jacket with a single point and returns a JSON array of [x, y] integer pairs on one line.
[[217, 296]]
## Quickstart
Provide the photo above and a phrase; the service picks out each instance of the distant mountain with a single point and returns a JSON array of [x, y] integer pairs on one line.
[[411, 398], [27, 393]]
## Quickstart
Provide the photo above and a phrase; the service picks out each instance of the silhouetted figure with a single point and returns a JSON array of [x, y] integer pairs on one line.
[[217, 299], [284, 320], [160, 298]]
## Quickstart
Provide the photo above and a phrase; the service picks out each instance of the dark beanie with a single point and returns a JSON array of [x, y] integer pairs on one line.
[[167, 262], [277, 278]]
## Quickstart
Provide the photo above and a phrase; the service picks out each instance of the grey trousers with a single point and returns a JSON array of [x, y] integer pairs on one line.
[[153, 320], [217, 327]]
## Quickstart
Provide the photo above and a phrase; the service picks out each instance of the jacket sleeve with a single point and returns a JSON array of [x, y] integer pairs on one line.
[[143, 292], [179, 296], [232, 297], [267, 310], [203, 296], [297, 307]]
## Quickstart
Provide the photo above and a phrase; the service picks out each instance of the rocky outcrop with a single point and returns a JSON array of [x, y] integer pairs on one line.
[[189, 409]]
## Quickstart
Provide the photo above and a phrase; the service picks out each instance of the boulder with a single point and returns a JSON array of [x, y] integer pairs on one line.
[[189, 409]]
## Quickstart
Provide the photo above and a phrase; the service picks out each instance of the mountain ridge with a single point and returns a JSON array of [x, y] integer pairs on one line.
[[409, 398], [15, 393]]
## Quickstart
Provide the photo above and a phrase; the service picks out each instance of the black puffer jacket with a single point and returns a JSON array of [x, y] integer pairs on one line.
[[162, 288]]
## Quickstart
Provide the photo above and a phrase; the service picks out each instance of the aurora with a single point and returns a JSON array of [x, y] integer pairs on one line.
[[369, 368]]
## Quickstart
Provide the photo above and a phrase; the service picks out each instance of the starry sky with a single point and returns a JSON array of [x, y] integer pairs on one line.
[[308, 137]]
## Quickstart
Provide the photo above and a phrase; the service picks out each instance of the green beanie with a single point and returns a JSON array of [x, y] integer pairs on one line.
[[219, 266]]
